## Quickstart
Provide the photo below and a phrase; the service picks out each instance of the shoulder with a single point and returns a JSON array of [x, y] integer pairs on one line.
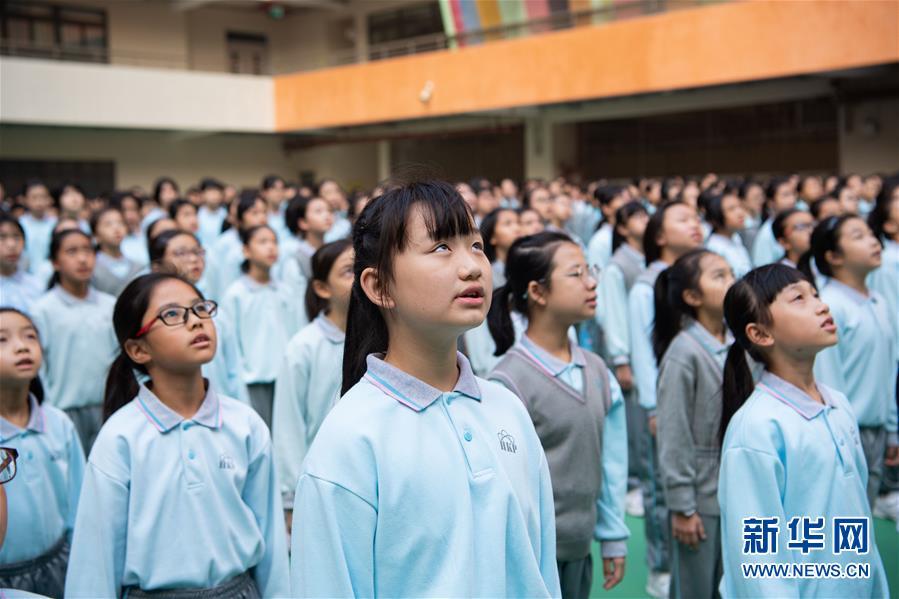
[[45, 302], [307, 338], [236, 289], [683, 349], [246, 421], [761, 424], [57, 422], [105, 300], [112, 450]]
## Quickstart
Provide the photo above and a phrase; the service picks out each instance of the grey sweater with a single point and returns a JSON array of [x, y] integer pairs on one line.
[[688, 415]]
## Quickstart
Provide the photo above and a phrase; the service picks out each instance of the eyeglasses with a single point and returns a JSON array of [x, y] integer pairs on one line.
[[8, 456], [197, 253], [584, 273], [803, 227], [178, 315]]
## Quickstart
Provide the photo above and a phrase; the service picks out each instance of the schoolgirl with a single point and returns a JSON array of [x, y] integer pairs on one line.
[[18, 288], [610, 199], [38, 223], [225, 267], [308, 220], [727, 218], [113, 270], [781, 196], [793, 231]]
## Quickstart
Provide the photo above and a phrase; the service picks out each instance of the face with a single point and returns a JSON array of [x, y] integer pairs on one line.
[[20, 349], [571, 294], [256, 216], [681, 230], [754, 200], [812, 189], [440, 287], [507, 230], [635, 226], [75, 259], [12, 244], [131, 212], [734, 215], [860, 251], [340, 282], [798, 233], [848, 201], [691, 192], [654, 193], [468, 194], [487, 202], [213, 198], [179, 348], [262, 248], [871, 187], [319, 218], [111, 229], [509, 189], [784, 198], [71, 201], [168, 193], [561, 209], [715, 280], [186, 218], [275, 194], [612, 207], [829, 207], [332, 193], [801, 324], [184, 256], [542, 204], [38, 200], [530, 223]]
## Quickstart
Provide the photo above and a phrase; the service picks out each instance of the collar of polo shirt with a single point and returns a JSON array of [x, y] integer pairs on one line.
[[793, 396], [410, 391], [165, 419]]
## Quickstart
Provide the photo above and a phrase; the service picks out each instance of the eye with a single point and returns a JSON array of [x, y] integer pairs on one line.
[[441, 247], [478, 245], [170, 314]]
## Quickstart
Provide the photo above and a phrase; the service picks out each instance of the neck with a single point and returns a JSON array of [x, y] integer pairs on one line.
[[853, 279], [182, 392], [8, 270], [794, 257], [550, 334], [668, 256], [337, 317], [38, 214], [77, 288], [111, 250], [14, 405], [316, 240], [70, 214], [798, 371], [260, 274], [430, 360], [713, 322], [635, 243], [501, 254]]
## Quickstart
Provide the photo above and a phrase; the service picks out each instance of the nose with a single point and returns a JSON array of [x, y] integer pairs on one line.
[[470, 266], [822, 307]]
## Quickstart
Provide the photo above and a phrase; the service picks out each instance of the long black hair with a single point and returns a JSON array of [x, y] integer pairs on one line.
[[748, 301], [296, 210], [825, 238], [378, 235], [322, 262], [488, 227], [127, 320], [246, 236], [880, 214], [35, 387], [530, 259], [622, 215], [670, 307], [651, 248], [56, 245]]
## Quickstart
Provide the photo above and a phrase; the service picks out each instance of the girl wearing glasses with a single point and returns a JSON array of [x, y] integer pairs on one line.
[[78, 343], [43, 498], [574, 401], [180, 491], [793, 230]]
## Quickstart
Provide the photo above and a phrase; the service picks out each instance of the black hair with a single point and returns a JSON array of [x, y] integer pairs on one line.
[[488, 227], [770, 192], [604, 194], [816, 206], [880, 214], [210, 183], [712, 205], [322, 262], [160, 243], [149, 232], [530, 259], [379, 233], [825, 238], [56, 244], [6, 217], [246, 236], [245, 202], [118, 198], [269, 181], [177, 204], [670, 307], [651, 248], [318, 188], [779, 224], [127, 320], [748, 301], [622, 215], [35, 387], [296, 210], [34, 183], [96, 216], [157, 187]]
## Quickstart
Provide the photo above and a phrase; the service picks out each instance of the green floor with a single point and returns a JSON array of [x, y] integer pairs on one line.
[[635, 572]]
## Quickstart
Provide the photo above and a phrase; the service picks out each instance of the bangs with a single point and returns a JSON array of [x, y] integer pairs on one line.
[[768, 281], [445, 213]]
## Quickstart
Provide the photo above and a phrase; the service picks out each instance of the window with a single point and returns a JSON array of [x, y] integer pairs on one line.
[[43, 30], [247, 53], [404, 23], [95, 176]]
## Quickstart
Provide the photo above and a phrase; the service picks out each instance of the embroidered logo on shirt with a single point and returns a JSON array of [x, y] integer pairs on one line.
[[507, 442], [226, 462]]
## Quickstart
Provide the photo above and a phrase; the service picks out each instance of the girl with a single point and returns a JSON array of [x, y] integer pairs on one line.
[[884, 222], [179, 252], [309, 220], [551, 283], [184, 213], [113, 270], [726, 216], [791, 447], [18, 289], [308, 383], [671, 232], [134, 245], [862, 365], [610, 198], [530, 222], [71, 203], [174, 447], [165, 191], [79, 344], [264, 318], [793, 231], [212, 212], [781, 195], [690, 342], [43, 498], [250, 212], [423, 479], [499, 229], [38, 223]]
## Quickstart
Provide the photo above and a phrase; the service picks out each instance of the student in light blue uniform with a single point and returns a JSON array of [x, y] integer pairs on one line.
[[78, 343], [884, 222], [43, 496], [113, 269], [575, 404], [71, 203], [331, 191], [726, 216], [179, 252], [423, 480], [780, 196], [180, 491], [274, 191], [37, 222], [308, 383], [791, 447], [610, 198], [227, 256], [264, 317], [165, 191], [212, 214], [672, 231], [862, 365], [18, 289]]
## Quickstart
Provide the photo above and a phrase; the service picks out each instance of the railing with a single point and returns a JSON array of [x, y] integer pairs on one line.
[[97, 54]]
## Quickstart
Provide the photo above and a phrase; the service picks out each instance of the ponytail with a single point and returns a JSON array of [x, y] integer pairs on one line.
[[668, 294], [805, 265], [738, 385], [121, 384], [499, 320]]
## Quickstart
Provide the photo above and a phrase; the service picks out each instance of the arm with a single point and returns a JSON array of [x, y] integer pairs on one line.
[[642, 312], [289, 428], [547, 555], [613, 315], [75, 476], [610, 529], [677, 454]]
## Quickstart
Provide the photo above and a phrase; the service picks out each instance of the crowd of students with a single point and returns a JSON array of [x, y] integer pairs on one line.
[[445, 390]]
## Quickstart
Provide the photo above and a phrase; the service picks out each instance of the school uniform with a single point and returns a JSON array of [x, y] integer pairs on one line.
[[863, 366], [341, 229], [224, 371], [42, 500], [79, 345], [152, 216], [599, 248], [732, 250], [578, 412], [786, 455], [38, 232], [175, 503], [264, 319], [307, 386], [296, 272], [498, 269], [408, 491], [210, 222], [885, 281], [224, 263], [20, 291], [765, 248], [134, 247], [688, 415], [585, 217], [641, 310], [112, 275]]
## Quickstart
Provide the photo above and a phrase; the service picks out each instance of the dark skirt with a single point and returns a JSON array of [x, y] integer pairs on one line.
[[239, 587], [43, 575]]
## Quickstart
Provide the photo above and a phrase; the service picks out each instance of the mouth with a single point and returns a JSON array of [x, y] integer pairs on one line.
[[201, 341], [24, 364], [829, 325], [472, 295], [591, 301]]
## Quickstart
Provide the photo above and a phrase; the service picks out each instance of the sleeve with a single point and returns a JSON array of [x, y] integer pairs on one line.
[[97, 558], [43, 329], [640, 308], [261, 495], [479, 348], [676, 404], [610, 530], [547, 555], [231, 305], [750, 486], [332, 541], [612, 315], [289, 428], [233, 364], [765, 248], [594, 249], [829, 362], [75, 476]]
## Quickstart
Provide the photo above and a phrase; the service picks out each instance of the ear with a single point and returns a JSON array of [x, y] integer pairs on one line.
[[537, 293], [246, 252], [137, 351], [692, 297], [759, 335], [890, 228], [370, 284], [302, 224], [322, 289], [834, 258]]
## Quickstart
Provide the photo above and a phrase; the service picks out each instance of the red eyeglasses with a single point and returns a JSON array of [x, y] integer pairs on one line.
[[173, 316]]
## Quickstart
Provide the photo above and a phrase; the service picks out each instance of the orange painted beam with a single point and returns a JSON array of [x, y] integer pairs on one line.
[[719, 44]]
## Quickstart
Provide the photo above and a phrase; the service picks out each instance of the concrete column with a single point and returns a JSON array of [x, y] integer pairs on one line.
[[538, 144], [383, 153], [360, 23]]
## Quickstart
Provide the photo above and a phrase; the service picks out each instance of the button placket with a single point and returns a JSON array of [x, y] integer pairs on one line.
[[190, 458], [477, 455]]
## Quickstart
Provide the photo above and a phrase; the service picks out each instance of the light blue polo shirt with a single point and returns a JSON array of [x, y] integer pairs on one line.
[[765, 248], [732, 250], [43, 497], [611, 309], [599, 248], [20, 291], [293, 276], [408, 491], [885, 281], [642, 312], [169, 502], [786, 455], [37, 239]]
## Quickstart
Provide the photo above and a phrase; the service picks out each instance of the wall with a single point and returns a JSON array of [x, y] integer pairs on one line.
[[352, 164], [864, 146]]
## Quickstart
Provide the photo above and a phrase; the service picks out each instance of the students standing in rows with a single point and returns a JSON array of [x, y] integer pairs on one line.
[[18, 289]]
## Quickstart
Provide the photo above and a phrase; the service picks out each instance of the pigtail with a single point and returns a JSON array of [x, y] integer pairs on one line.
[[805, 264], [366, 333], [667, 322], [121, 384], [737, 387], [53, 281], [36, 388], [499, 320]]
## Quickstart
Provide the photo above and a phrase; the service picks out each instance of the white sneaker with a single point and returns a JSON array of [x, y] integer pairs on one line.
[[633, 503], [657, 584], [887, 506]]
